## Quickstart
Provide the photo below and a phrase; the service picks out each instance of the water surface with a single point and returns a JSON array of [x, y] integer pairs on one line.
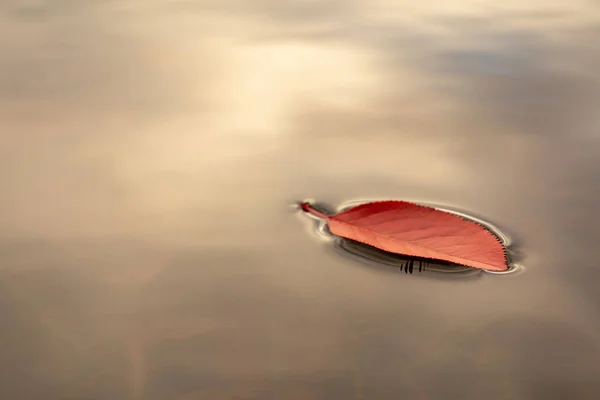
[[149, 152]]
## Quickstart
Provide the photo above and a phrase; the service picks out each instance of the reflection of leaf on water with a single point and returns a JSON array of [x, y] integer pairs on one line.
[[408, 264]]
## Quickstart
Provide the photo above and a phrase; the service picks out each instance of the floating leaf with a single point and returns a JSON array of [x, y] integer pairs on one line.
[[406, 228]]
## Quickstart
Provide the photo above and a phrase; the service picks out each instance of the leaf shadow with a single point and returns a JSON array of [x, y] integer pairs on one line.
[[397, 263]]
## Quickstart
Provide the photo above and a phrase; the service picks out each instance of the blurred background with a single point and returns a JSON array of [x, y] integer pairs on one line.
[[150, 151]]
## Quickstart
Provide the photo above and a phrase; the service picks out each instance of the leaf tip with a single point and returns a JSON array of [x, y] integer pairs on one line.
[[305, 206]]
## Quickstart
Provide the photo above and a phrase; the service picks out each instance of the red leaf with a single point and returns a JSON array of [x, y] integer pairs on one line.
[[414, 230]]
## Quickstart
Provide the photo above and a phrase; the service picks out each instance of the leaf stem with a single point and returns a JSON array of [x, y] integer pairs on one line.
[[306, 207]]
